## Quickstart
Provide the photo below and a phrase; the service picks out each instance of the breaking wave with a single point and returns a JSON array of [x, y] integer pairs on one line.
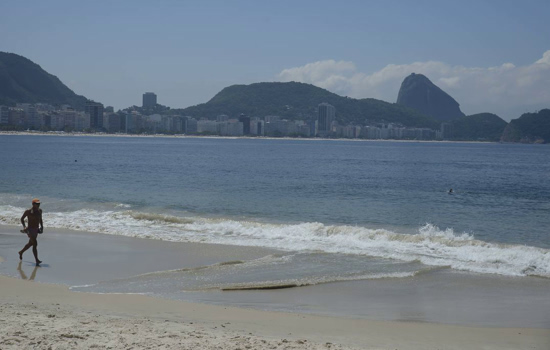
[[430, 245]]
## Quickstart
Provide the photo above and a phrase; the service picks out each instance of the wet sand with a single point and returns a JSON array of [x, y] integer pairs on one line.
[[65, 319]]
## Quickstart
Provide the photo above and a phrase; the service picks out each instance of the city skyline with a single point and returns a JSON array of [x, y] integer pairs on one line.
[[96, 118], [491, 56]]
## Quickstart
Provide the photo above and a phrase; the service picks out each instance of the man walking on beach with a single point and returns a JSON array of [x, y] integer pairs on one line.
[[34, 217]]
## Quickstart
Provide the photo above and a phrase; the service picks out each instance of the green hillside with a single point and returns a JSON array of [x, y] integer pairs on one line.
[[299, 101], [529, 128], [23, 81], [479, 127]]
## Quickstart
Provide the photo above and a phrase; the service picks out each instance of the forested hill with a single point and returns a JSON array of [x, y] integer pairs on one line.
[[23, 81], [294, 100], [529, 128], [479, 127]]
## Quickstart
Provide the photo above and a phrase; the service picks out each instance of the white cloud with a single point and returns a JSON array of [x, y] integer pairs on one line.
[[506, 90]]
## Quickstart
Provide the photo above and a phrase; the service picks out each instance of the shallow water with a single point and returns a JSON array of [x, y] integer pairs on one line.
[[337, 213]]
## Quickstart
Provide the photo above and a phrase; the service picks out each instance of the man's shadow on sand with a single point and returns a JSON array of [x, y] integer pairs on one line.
[[33, 273]]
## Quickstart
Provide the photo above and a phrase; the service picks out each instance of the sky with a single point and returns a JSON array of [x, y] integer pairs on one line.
[[491, 56]]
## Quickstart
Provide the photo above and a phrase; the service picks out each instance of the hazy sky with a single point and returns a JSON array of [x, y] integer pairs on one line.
[[491, 56]]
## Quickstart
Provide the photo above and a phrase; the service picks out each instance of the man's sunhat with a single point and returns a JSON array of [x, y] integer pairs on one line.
[[36, 200]]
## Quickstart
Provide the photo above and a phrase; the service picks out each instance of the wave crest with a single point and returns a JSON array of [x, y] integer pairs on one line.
[[430, 245]]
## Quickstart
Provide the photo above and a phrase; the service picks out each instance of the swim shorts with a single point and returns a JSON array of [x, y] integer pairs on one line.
[[32, 232]]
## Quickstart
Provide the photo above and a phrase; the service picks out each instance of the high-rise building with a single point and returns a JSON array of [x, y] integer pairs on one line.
[[257, 127], [149, 100], [95, 111], [31, 116], [129, 123], [16, 116], [191, 126], [246, 124], [325, 117]]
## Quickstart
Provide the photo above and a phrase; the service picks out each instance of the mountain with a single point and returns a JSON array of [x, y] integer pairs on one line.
[[418, 92], [479, 127], [294, 100], [23, 81], [529, 128]]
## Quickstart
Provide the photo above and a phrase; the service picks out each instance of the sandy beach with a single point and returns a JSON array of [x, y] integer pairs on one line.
[[36, 314], [41, 316], [103, 134]]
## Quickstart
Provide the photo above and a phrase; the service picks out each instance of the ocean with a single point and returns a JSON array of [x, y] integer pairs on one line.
[[333, 211]]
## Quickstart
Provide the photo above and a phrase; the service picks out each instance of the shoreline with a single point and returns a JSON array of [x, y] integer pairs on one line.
[[86, 320], [183, 271], [183, 136]]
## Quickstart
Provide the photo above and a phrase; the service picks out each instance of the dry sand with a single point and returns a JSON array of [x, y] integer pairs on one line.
[[42, 316]]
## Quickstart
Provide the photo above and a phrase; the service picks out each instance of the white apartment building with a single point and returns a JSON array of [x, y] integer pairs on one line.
[[257, 127], [234, 128], [205, 125]]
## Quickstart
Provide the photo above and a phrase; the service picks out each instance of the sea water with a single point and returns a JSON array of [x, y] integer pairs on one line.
[[337, 211]]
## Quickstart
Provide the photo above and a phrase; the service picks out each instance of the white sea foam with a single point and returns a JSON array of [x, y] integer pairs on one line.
[[430, 245]]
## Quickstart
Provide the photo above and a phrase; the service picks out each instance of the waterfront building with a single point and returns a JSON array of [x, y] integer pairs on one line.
[[245, 120], [66, 119], [4, 115], [280, 128], [31, 119], [257, 127], [95, 112], [82, 121], [207, 126], [303, 130], [326, 114], [191, 126], [349, 131], [113, 124], [231, 128], [149, 100], [130, 123], [154, 123], [372, 132], [57, 121], [176, 124], [16, 117]]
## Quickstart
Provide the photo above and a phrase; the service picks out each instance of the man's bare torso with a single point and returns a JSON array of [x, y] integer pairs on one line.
[[34, 216]]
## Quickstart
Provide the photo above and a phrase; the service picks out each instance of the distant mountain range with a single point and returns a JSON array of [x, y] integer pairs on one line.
[[299, 101], [23, 81], [420, 103]]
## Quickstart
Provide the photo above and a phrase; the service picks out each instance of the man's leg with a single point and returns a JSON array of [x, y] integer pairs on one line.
[[27, 246], [35, 250]]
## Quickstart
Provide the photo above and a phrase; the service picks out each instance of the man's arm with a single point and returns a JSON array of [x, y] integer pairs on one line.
[[25, 214], [41, 223]]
